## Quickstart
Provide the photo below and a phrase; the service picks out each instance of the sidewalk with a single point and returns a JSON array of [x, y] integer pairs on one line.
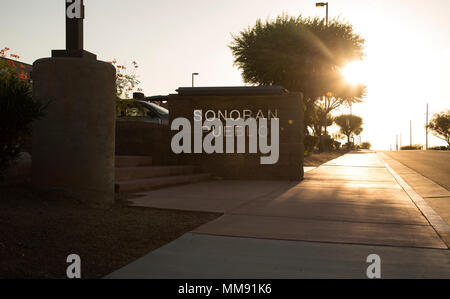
[[432, 199], [323, 227]]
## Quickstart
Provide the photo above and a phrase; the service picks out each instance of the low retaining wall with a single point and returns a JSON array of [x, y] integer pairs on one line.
[[135, 138]]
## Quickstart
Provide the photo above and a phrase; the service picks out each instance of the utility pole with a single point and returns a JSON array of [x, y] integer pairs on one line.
[[426, 130], [193, 75], [396, 143], [410, 133]]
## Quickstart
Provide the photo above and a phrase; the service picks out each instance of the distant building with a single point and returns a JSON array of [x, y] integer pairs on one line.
[[23, 69]]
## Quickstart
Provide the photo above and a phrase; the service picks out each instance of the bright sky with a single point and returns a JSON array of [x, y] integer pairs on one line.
[[407, 63]]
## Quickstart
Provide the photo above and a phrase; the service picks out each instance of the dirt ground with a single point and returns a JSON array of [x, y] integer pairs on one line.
[[319, 159], [39, 230]]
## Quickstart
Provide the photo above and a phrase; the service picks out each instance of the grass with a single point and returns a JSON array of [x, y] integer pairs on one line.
[[39, 230]]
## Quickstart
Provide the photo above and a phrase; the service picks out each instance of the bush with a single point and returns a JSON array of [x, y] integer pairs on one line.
[[17, 112], [349, 145], [439, 148], [440, 125], [336, 145], [331, 144], [311, 142], [412, 148], [366, 145]]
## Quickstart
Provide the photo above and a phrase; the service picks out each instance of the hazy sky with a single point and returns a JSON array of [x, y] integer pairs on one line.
[[407, 63]]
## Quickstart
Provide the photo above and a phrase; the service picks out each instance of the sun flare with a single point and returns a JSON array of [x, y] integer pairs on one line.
[[355, 72]]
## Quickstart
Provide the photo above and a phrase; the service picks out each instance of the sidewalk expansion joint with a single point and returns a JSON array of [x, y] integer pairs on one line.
[[317, 241], [328, 219]]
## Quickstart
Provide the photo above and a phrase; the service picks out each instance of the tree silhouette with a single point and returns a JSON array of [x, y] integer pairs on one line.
[[318, 120], [17, 112], [440, 125], [302, 55]]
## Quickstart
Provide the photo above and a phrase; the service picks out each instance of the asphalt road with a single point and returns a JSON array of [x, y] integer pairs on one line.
[[434, 165]]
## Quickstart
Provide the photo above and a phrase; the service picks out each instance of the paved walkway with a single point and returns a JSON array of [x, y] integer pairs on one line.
[[432, 199], [325, 226]]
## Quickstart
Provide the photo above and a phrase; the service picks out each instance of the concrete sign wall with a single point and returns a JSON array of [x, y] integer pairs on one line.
[[287, 108]]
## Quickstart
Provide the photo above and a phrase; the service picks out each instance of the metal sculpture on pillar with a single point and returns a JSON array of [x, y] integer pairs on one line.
[[74, 32]]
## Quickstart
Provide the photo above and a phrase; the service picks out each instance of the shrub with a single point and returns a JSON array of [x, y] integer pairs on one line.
[[366, 145], [439, 148], [337, 145], [411, 148], [440, 125], [126, 82], [17, 112], [328, 143], [349, 145], [311, 142]]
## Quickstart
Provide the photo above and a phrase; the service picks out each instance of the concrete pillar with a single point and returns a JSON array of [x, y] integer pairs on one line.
[[73, 145]]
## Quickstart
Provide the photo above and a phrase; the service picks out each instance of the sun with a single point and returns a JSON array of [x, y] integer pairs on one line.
[[355, 72]]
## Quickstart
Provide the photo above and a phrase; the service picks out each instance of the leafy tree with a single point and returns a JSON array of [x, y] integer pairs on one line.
[[346, 95], [319, 120], [303, 55], [366, 145], [350, 125], [338, 135], [126, 81], [440, 125], [17, 112]]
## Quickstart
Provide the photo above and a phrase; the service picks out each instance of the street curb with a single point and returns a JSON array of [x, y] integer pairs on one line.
[[436, 221]]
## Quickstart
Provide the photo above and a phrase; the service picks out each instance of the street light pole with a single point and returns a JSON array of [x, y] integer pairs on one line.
[[410, 133], [426, 129], [194, 74], [322, 4]]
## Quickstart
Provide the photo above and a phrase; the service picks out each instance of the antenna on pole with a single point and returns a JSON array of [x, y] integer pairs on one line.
[[410, 133], [426, 129]]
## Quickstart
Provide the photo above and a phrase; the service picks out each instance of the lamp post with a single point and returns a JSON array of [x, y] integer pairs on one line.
[[322, 4], [410, 133], [426, 129], [194, 74]]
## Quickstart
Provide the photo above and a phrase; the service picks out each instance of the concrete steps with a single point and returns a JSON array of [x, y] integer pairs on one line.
[[136, 173], [158, 182], [133, 161], [147, 172]]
